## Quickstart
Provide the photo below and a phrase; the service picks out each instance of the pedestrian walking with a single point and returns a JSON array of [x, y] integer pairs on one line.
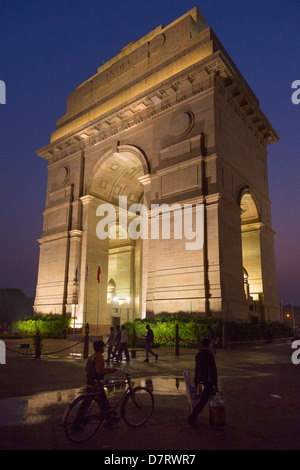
[[110, 343], [149, 344], [206, 374], [124, 345], [224, 337], [117, 342], [212, 339]]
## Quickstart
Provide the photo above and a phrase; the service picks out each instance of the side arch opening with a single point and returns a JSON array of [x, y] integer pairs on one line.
[[251, 254]]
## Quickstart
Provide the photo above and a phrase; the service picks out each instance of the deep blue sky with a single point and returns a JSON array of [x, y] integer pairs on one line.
[[49, 47]]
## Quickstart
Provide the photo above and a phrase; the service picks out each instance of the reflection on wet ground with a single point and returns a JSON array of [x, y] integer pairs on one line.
[[31, 410], [35, 409], [163, 385]]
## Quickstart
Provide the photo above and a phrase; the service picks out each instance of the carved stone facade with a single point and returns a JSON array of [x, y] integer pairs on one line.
[[168, 120]]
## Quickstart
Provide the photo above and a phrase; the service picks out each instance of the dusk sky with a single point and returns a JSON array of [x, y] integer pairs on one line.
[[50, 47]]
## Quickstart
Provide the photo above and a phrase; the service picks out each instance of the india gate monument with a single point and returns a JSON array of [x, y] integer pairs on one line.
[[157, 193]]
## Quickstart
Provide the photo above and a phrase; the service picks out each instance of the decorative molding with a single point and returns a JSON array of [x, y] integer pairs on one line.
[[130, 116], [195, 80]]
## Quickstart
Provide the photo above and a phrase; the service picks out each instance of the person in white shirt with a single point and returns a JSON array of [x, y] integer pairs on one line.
[[117, 342], [123, 345]]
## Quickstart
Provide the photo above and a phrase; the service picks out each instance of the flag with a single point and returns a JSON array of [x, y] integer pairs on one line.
[[99, 273], [86, 274], [76, 275]]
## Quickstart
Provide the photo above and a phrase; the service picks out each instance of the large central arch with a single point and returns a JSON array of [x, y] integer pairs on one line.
[[118, 297]]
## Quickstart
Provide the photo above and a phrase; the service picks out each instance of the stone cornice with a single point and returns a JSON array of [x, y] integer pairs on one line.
[[87, 199], [183, 86], [238, 94], [255, 226], [75, 233], [148, 61], [53, 237]]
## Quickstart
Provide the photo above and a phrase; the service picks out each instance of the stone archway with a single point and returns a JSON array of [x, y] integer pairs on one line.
[[115, 185], [251, 248]]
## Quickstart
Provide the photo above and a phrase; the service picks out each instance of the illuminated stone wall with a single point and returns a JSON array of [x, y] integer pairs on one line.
[[168, 120]]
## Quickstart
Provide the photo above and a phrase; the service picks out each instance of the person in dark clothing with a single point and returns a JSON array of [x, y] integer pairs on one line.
[[95, 371], [205, 373], [149, 344], [211, 337]]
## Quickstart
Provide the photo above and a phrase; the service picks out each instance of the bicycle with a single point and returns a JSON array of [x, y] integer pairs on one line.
[[85, 414]]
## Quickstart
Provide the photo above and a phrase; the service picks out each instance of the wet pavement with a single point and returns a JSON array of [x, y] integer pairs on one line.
[[260, 385]]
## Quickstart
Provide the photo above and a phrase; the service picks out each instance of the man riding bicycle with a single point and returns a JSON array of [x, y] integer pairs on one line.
[[95, 369]]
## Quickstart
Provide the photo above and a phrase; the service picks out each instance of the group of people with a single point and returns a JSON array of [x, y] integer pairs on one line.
[[205, 366], [117, 343]]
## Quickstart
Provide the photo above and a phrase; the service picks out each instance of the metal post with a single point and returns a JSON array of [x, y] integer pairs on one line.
[[176, 341], [38, 344], [86, 342], [76, 300], [98, 280], [74, 325], [86, 297]]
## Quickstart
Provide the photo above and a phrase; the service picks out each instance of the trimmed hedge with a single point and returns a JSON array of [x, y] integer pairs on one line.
[[192, 329], [247, 331], [47, 325]]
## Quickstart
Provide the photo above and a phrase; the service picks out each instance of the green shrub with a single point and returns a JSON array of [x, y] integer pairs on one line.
[[48, 325], [192, 329], [132, 336], [244, 331]]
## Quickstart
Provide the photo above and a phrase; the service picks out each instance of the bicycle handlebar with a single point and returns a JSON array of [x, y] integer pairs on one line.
[[128, 374]]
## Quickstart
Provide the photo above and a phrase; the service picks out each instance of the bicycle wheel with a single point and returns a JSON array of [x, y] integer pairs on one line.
[[137, 407], [82, 418]]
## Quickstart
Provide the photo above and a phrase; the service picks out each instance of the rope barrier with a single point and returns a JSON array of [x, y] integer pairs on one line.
[[187, 342], [46, 354], [180, 341], [19, 352], [65, 349], [176, 340], [168, 341]]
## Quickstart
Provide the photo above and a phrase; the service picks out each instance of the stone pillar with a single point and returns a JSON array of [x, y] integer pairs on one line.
[[146, 181], [271, 300], [230, 261], [74, 263]]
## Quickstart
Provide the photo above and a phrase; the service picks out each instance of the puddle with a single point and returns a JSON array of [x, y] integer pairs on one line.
[[165, 385], [33, 409], [158, 385], [72, 355]]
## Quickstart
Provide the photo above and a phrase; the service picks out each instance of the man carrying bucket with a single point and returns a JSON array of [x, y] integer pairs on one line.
[[205, 373]]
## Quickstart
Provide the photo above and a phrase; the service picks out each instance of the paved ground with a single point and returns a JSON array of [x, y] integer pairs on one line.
[[260, 385]]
